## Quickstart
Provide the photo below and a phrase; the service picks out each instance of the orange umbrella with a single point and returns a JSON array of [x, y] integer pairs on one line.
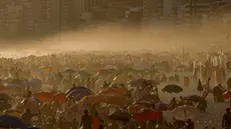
[[60, 97], [118, 100], [93, 99], [114, 100], [110, 91], [146, 115], [4, 89], [44, 96]]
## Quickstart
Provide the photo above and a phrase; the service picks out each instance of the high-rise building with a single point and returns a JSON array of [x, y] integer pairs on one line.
[[49, 16], [194, 11], [169, 8], [153, 8], [67, 14]]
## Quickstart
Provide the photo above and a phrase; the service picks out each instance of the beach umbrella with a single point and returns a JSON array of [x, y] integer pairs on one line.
[[12, 85], [36, 100], [78, 89], [118, 100], [4, 106], [77, 95], [113, 91], [8, 121], [161, 106], [84, 74], [44, 96], [70, 71], [185, 112], [17, 81], [172, 88], [146, 114], [3, 89], [4, 96], [34, 82], [193, 98], [122, 78], [135, 108], [13, 112], [93, 99], [119, 115], [142, 103], [116, 85], [113, 100], [151, 98], [104, 72], [60, 97]]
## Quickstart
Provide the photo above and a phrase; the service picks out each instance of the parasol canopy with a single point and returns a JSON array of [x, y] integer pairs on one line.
[[185, 112], [172, 88], [44, 96], [193, 98], [146, 114], [12, 122], [4, 96], [78, 89]]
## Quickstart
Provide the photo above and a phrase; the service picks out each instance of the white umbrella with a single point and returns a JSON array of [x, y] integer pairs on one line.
[[185, 112], [12, 85]]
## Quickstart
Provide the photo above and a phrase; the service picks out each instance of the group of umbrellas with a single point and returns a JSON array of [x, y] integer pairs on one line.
[[147, 107], [75, 93], [16, 82]]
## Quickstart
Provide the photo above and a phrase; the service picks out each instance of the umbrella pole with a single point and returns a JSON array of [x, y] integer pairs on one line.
[[185, 115]]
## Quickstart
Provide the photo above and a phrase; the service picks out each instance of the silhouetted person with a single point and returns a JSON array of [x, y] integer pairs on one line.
[[226, 121], [86, 120], [229, 83], [190, 124], [228, 65]]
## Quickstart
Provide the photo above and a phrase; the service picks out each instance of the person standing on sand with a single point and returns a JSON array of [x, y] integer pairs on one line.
[[229, 83], [226, 121], [86, 120], [96, 121], [208, 84], [189, 124]]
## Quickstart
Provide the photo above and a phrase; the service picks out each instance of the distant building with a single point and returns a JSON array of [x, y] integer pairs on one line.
[[10, 19], [194, 11], [67, 14], [153, 8]]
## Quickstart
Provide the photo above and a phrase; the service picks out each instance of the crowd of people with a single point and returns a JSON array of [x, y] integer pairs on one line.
[[112, 90]]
